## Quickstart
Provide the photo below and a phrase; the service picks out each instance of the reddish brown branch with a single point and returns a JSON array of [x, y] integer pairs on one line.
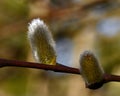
[[109, 78], [56, 68]]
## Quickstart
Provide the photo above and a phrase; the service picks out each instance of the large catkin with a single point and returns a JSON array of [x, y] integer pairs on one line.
[[42, 43], [91, 70]]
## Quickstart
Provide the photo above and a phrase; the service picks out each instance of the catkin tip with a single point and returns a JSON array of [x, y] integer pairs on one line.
[[34, 25]]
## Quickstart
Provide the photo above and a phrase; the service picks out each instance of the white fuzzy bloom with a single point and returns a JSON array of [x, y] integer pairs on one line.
[[42, 43]]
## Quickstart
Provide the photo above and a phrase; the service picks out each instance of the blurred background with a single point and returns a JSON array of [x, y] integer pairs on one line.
[[76, 25]]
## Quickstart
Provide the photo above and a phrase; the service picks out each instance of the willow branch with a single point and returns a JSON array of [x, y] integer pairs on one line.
[[109, 78], [56, 68]]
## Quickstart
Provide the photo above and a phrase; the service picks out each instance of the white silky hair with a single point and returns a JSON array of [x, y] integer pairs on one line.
[[41, 39]]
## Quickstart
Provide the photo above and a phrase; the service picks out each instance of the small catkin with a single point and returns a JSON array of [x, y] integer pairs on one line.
[[91, 70], [42, 43]]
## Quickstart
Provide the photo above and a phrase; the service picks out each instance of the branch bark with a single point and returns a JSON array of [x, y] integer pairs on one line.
[[57, 68]]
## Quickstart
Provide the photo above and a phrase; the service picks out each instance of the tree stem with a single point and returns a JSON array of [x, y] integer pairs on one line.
[[56, 68], [110, 78]]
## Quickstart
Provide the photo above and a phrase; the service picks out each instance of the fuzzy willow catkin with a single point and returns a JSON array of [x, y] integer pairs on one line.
[[42, 43], [91, 70]]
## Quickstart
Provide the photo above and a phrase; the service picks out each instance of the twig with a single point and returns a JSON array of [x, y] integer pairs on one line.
[[56, 68], [109, 78]]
